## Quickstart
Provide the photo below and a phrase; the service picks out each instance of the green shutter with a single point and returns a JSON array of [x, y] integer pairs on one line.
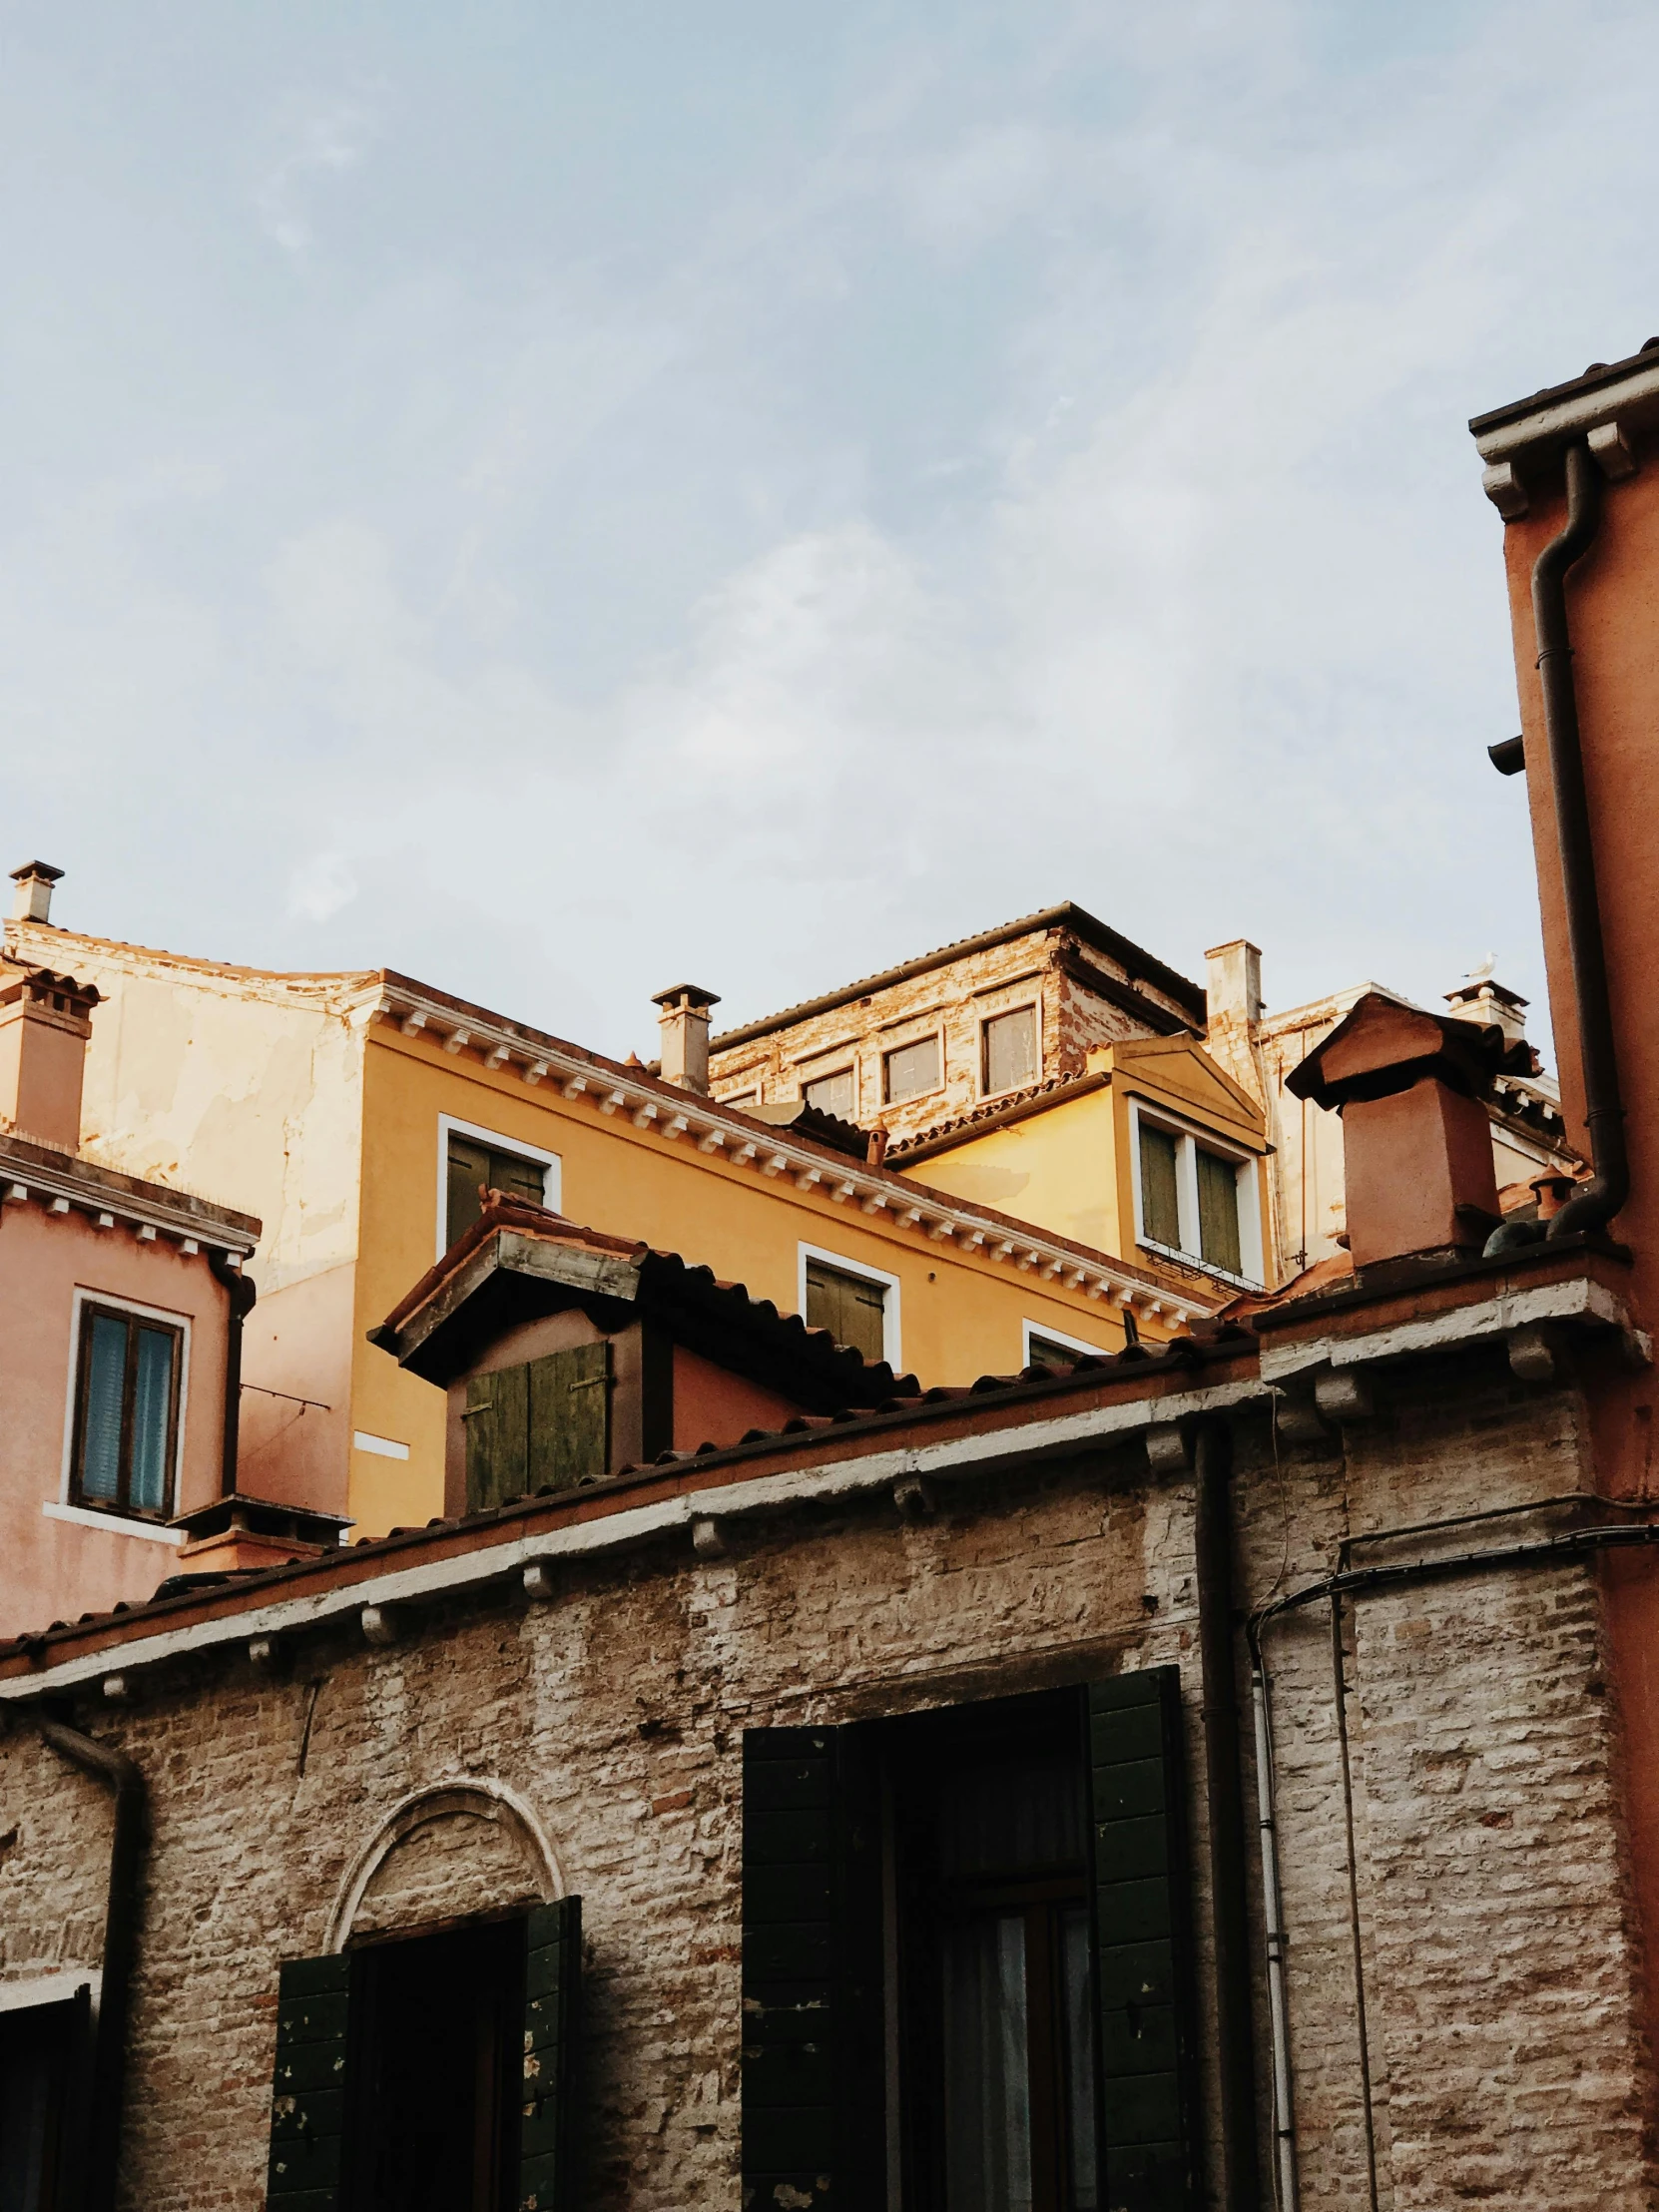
[[308, 2097], [469, 1171], [547, 2171], [1218, 1210], [569, 1416], [1144, 1998], [1160, 1204], [814, 2131], [497, 1437], [851, 1307]]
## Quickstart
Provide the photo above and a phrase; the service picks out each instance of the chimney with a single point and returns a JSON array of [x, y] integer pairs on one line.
[[1233, 1006], [32, 900], [44, 1026], [1482, 1000], [685, 1026], [1417, 1140]]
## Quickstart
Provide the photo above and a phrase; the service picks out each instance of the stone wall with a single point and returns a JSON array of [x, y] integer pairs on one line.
[[592, 1743]]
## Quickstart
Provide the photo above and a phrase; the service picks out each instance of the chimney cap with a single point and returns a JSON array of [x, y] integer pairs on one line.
[[685, 996], [38, 871]]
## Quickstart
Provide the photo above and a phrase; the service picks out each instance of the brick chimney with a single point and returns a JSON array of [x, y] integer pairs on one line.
[[44, 1026], [1417, 1140], [685, 1027], [1233, 1007], [32, 900]]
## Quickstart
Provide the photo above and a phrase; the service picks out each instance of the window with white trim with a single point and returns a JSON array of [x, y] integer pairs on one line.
[[1194, 1196], [473, 1160], [127, 1391], [1050, 1347], [859, 1304]]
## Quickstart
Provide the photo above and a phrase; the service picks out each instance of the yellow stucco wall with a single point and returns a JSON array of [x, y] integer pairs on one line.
[[960, 1314], [1070, 1167]]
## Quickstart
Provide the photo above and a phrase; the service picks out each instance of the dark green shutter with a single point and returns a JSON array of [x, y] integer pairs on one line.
[[552, 2039], [570, 1416], [1160, 1203], [498, 1422], [1218, 1210], [851, 1307], [308, 2097], [813, 2130], [1145, 2007]]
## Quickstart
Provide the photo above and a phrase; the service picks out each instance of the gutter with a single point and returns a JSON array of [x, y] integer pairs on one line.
[[243, 1293], [116, 1772]]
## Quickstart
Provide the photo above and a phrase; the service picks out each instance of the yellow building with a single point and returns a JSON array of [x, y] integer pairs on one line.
[[357, 1112]]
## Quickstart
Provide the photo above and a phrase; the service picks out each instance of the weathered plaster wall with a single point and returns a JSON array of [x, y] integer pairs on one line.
[[1505, 2040]]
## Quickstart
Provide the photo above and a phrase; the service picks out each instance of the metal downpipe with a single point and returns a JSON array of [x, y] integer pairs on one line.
[[123, 1780], [1278, 2013], [244, 1292], [1597, 1202], [1223, 1792]]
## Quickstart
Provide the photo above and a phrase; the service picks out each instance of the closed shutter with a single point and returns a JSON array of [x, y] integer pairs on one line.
[[469, 1171], [1218, 1210], [1160, 1205], [851, 1307], [1141, 1889], [498, 1422], [548, 2148], [569, 1416], [307, 2103], [814, 2127]]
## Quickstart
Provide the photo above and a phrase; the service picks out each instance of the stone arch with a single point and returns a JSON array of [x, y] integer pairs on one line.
[[477, 1829]]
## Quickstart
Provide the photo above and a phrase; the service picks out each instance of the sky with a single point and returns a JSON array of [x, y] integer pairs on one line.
[[565, 501]]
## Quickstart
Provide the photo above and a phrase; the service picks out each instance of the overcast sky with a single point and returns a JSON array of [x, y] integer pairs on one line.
[[566, 499]]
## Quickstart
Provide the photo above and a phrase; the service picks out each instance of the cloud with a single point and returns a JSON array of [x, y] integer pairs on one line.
[[328, 142], [320, 886]]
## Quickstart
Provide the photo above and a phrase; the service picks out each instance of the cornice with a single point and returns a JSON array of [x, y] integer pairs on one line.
[[667, 1112], [31, 1175]]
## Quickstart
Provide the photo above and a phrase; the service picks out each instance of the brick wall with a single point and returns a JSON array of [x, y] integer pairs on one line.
[[1499, 1967]]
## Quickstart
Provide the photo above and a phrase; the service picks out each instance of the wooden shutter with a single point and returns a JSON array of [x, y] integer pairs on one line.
[[548, 2148], [851, 1307], [1141, 1893], [518, 1176], [1218, 1210], [307, 2099], [569, 1416], [468, 1171], [498, 1422], [814, 2126], [1160, 1207]]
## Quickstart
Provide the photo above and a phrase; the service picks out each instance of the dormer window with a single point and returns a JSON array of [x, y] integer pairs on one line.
[[1194, 1196]]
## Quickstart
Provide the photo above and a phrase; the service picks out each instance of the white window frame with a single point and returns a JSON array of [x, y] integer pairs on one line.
[[552, 1168], [903, 1044], [1192, 1134], [1029, 1006], [1029, 1329], [831, 1075], [892, 1337], [113, 1517]]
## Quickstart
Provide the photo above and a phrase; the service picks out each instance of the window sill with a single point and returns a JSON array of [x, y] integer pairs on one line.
[[113, 1524], [1204, 1266]]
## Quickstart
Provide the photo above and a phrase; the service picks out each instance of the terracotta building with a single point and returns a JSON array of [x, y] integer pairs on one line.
[[360, 1114], [120, 1307]]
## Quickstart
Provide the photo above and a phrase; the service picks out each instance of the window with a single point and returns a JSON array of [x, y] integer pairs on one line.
[[967, 1958], [1009, 1052], [833, 1094], [473, 1159], [910, 1069], [1196, 1200], [42, 2048], [1046, 1348], [127, 1392], [433, 2069], [854, 1306], [542, 1425]]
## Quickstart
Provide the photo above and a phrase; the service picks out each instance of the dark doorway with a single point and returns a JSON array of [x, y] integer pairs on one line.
[[438, 2071], [992, 2063], [41, 2048]]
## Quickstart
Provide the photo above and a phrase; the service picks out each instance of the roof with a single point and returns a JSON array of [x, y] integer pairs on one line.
[[1000, 1419], [520, 1260], [31, 1170], [1593, 379], [1137, 963]]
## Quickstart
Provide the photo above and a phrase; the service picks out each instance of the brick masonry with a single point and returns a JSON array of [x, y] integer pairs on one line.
[[1502, 1971]]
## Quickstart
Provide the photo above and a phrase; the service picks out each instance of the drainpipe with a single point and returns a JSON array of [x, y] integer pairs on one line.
[[243, 1291], [123, 1780], [1224, 1790], [1600, 1199], [1279, 2010]]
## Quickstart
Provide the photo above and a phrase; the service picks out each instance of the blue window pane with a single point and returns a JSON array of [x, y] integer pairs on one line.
[[151, 1408], [106, 1383]]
